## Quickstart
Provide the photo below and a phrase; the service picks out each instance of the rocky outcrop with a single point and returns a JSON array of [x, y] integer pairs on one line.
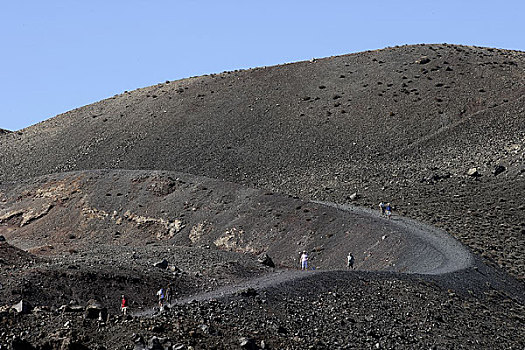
[[22, 307]]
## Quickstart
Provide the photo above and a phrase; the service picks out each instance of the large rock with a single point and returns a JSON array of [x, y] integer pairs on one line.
[[499, 169], [95, 311], [2, 238], [19, 344], [423, 60], [154, 344], [162, 264], [265, 260], [473, 172], [71, 308], [69, 344], [23, 307], [247, 343]]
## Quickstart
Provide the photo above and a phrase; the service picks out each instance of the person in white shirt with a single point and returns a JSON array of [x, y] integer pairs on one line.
[[350, 261], [304, 260]]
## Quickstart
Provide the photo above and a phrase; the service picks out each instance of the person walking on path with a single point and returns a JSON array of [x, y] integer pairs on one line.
[[124, 305], [304, 260], [382, 208], [169, 294], [350, 261], [388, 210], [161, 295]]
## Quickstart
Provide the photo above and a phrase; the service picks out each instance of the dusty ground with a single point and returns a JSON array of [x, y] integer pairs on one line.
[[96, 235], [406, 125]]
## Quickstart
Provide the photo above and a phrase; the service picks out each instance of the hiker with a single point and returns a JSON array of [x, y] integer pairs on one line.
[[161, 296], [169, 293], [350, 261], [124, 305], [304, 260], [388, 210], [382, 208]]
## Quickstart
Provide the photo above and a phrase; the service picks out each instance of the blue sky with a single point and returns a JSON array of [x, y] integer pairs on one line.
[[60, 55]]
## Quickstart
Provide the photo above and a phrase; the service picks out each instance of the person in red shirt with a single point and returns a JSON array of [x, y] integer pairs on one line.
[[124, 305]]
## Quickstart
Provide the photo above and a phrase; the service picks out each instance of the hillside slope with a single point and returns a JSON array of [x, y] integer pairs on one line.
[[437, 130], [402, 124]]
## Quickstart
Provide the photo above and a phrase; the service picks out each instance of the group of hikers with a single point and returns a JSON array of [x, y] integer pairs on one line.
[[385, 209], [164, 296], [304, 261]]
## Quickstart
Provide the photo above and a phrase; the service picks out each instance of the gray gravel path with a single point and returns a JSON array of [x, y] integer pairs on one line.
[[433, 252]]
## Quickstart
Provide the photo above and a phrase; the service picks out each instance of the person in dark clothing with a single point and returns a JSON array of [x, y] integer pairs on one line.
[[169, 294], [388, 210]]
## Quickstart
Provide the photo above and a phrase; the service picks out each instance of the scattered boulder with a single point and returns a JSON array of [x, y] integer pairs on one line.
[[266, 260], [247, 292], [473, 172], [139, 342], [71, 308], [423, 60], [162, 264], [499, 169], [95, 310], [23, 307], [353, 196], [247, 343], [2, 238], [434, 177], [69, 344], [154, 344], [174, 269], [19, 344]]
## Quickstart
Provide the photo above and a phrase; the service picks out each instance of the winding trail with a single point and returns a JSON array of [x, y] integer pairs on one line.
[[427, 249], [431, 252]]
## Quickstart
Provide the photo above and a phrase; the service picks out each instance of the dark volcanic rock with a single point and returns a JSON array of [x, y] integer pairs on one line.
[[499, 169], [22, 307], [95, 311], [266, 260], [163, 264], [19, 344], [247, 343]]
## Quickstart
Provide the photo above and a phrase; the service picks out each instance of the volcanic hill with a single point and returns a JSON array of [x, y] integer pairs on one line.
[[211, 172]]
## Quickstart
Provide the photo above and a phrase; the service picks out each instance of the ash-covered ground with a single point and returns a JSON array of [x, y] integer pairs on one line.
[[211, 173]]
